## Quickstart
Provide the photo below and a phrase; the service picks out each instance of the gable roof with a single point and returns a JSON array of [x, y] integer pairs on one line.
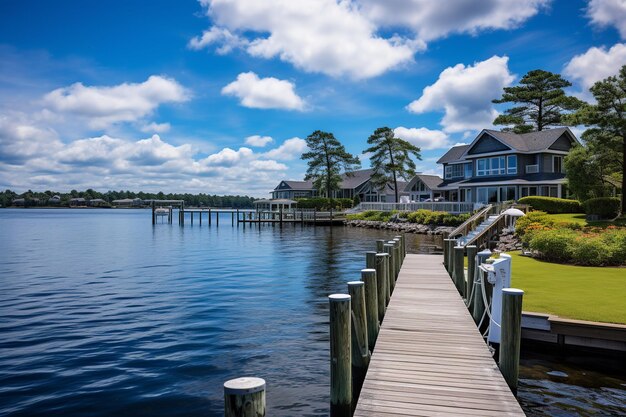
[[431, 181], [529, 142], [356, 178], [453, 154], [297, 185]]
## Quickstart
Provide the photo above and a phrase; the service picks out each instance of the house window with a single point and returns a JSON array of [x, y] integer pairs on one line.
[[468, 170], [511, 164], [466, 195], [507, 193], [557, 163], [526, 191], [491, 166], [487, 194], [454, 171]]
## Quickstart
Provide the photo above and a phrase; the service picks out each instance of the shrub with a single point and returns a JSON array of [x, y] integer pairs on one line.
[[590, 251], [605, 207], [553, 245], [552, 205]]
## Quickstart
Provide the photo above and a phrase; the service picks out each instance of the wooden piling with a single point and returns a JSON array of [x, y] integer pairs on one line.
[[382, 272], [369, 277], [450, 243], [472, 250], [209, 216], [370, 259], [392, 259], [217, 218], [444, 247], [511, 335], [390, 279], [398, 248], [340, 356], [153, 214], [244, 397], [459, 269], [379, 245], [382, 277], [478, 304], [360, 349]]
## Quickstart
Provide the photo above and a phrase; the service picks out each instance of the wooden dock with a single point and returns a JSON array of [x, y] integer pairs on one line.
[[429, 359]]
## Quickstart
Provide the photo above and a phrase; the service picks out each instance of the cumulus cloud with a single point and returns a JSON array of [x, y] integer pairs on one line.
[[127, 102], [464, 93], [608, 13], [323, 36], [594, 65], [290, 149], [156, 127], [264, 93], [258, 141], [343, 38], [22, 139], [425, 138], [436, 19]]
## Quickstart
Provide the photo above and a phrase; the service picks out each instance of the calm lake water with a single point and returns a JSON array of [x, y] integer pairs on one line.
[[104, 314]]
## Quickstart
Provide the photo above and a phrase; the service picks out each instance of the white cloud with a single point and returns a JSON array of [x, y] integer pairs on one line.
[[229, 157], [323, 36], [268, 165], [594, 65], [128, 102], [464, 93], [608, 13], [343, 37], [290, 149], [424, 138], [156, 128], [22, 139], [258, 141], [264, 93], [430, 19]]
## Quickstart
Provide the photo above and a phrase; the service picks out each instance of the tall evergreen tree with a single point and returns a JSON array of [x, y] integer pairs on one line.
[[327, 157], [608, 121], [541, 100], [391, 158]]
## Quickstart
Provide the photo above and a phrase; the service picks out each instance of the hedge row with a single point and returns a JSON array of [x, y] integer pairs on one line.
[[552, 205], [605, 207]]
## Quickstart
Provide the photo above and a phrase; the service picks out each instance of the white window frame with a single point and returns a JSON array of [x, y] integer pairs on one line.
[[509, 170], [489, 169], [561, 159]]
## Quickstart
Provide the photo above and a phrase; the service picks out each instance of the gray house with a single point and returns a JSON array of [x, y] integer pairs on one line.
[[500, 166], [356, 184]]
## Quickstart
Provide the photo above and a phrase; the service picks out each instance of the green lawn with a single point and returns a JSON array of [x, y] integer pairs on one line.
[[580, 218], [575, 292]]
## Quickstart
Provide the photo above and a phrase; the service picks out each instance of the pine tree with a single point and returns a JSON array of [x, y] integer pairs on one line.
[[327, 157], [542, 102], [391, 158]]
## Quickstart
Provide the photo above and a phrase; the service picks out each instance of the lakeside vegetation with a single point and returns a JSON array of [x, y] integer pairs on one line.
[[425, 217], [43, 199], [570, 291]]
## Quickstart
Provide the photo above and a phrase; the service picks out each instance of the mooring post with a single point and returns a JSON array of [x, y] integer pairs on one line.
[[244, 397], [360, 350], [209, 216], [370, 259], [472, 250], [397, 246], [390, 279], [382, 273], [451, 243], [379, 245], [400, 250], [153, 213], [217, 217], [280, 214], [244, 217], [511, 335], [478, 305], [444, 247], [369, 277], [459, 269], [340, 356]]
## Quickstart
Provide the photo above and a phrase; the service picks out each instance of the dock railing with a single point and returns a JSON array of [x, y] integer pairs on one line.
[[469, 224]]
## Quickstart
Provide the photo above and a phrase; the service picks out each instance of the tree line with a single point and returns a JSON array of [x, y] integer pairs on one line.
[[34, 198], [539, 102]]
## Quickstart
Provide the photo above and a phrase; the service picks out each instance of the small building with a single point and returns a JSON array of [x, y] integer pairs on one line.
[[54, 200], [78, 202], [19, 202], [128, 202], [97, 202]]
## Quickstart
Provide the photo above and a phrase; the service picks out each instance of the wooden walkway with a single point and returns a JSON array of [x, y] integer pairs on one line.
[[429, 359]]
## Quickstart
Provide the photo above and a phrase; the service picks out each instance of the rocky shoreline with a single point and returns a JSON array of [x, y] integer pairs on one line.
[[421, 229]]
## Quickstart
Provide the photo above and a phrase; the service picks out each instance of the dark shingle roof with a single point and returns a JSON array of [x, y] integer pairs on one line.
[[356, 178], [453, 154], [529, 142], [298, 185], [431, 181]]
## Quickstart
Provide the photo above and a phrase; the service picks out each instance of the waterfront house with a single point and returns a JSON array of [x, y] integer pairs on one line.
[[55, 199], [78, 202], [500, 166], [357, 183], [128, 202], [98, 202]]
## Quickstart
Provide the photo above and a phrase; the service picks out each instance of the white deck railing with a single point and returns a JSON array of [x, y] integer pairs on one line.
[[449, 207]]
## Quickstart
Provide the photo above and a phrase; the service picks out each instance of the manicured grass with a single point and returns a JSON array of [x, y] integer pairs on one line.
[[568, 291], [580, 218]]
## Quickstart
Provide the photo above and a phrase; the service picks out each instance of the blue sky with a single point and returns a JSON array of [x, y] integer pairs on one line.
[[217, 96]]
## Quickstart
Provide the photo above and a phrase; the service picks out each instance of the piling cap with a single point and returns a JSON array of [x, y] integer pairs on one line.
[[512, 291], [368, 270], [244, 385], [339, 297], [355, 283]]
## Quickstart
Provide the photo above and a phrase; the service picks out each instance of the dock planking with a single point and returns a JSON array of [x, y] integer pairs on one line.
[[429, 359]]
